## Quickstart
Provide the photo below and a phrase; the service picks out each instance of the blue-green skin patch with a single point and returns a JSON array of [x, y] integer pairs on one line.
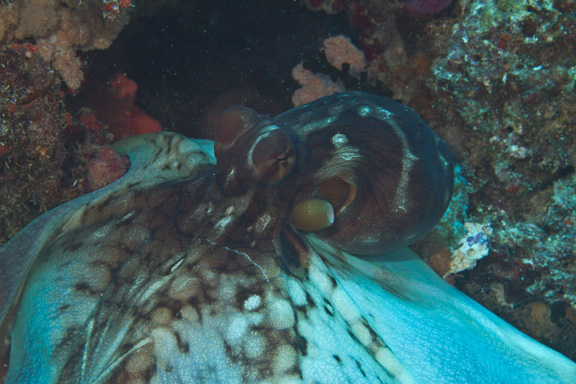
[[188, 269]]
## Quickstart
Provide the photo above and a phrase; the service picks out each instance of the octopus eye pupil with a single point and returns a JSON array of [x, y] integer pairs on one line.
[[338, 192], [284, 158], [312, 215], [319, 212]]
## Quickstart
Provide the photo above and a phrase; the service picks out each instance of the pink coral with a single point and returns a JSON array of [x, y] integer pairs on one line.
[[107, 167], [314, 86], [339, 50]]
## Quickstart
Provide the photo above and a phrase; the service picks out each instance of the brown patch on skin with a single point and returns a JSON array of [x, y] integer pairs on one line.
[[138, 367], [161, 316]]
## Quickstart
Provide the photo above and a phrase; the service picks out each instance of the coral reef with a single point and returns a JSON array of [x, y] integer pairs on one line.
[[46, 146], [32, 123], [62, 28], [507, 79], [51, 152]]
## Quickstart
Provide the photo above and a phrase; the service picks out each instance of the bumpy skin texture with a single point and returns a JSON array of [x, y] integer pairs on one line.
[[190, 271]]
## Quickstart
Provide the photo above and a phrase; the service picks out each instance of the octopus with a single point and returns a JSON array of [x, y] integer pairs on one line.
[[276, 254]]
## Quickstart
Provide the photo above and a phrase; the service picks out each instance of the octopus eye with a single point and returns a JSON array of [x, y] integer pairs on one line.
[[318, 212], [312, 215], [272, 157]]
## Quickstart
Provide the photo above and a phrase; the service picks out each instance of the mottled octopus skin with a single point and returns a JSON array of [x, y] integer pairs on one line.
[[189, 271]]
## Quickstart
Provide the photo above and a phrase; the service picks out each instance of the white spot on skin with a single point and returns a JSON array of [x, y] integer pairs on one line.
[[445, 163], [252, 303], [231, 175], [262, 223], [296, 292], [221, 224], [339, 140], [227, 288], [345, 152], [344, 305], [164, 346], [361, 332], [349, 153], [383, 114], [364, 111], [254, 346], [236, 331], [280, 312], [408, 159], [319, 278], [387, 359]]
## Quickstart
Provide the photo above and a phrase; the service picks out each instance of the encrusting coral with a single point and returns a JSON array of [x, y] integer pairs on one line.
[[32, 148], [63, 28], [49, 152]]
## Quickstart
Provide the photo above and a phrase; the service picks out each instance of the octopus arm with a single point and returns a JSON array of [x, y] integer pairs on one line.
[[437, 333], [155, 158]]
